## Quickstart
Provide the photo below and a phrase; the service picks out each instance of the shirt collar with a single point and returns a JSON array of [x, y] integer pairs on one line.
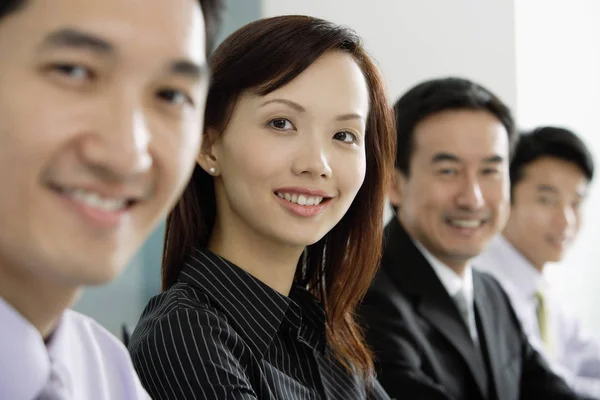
[[512, 266], [451, 281], [60, 348], [24, 359], [255, 309]]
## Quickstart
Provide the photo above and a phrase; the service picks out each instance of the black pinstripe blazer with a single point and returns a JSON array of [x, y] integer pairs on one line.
[[219, 333]]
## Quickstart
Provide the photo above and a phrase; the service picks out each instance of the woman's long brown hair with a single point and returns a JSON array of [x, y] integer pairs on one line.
[[262, 57]]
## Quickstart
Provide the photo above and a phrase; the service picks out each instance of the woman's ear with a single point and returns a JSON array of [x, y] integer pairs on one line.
[[208, 156]]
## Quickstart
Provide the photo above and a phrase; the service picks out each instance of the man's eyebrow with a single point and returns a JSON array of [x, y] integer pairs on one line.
[[70, 38], [188, 69], [444, 157], [495, 159], [546, 189]]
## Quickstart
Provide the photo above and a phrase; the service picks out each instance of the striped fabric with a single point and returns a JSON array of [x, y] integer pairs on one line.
[[220, 333]]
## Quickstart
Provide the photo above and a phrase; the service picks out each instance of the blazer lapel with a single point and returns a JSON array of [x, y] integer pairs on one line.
[[452, 327], [411, 271], [487, 327]]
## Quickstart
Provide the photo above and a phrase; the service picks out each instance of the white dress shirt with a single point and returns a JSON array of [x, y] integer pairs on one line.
[[92, 363], [454, 283], [575, 355]]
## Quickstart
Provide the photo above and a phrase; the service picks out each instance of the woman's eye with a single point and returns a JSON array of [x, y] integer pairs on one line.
[[281, 124], [346, 137]]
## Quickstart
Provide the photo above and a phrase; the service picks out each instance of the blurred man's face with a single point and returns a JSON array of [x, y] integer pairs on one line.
[[545, 215], [101, 107], [456, 196]]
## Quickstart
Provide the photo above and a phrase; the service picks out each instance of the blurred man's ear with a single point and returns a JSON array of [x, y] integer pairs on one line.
[[396, 188]]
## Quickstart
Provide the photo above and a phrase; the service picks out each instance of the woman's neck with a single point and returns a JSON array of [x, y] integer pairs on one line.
[[272, 263]]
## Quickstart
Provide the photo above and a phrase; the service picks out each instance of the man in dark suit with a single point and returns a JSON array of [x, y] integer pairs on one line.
[[439, 329]]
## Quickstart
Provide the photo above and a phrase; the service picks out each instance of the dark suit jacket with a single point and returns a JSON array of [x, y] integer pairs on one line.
[[422, 346]]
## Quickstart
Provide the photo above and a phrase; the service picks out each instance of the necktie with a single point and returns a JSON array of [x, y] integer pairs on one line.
[[542, 317], [55, 388], [465, 310]]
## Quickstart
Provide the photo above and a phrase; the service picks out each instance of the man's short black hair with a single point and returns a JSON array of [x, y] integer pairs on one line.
[[10, 6], [549, 141], [434, 96]]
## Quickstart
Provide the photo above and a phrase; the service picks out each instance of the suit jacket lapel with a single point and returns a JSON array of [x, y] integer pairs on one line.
[[411, 272], [488, 328], [447, 321]]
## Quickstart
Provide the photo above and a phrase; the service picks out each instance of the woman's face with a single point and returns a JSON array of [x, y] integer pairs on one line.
[[290, 163]]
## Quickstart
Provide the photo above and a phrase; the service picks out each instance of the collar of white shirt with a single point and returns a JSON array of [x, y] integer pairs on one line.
[[503, 260], [24, 360], [452, 281], [92, 363]]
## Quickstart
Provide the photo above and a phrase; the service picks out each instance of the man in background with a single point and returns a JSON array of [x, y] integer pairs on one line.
[[438, 328], [550, 175]]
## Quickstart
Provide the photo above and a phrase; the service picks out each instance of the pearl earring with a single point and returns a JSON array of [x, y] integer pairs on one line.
[[212, 170]]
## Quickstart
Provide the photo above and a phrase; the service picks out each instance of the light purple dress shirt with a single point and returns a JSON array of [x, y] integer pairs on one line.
[[93, 364], [576, 353]]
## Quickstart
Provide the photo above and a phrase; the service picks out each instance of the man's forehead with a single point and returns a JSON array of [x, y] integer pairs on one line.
[[453, 151], [549, 181], [169, 29]]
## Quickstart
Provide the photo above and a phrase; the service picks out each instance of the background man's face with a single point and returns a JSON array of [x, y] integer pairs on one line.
[[101, 106], [545, 215], [456, 196]]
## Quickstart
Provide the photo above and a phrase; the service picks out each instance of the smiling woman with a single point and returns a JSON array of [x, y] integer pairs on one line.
[[278, 234]]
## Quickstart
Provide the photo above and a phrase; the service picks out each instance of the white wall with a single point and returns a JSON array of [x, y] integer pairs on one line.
[[558, 82], [415, 40]]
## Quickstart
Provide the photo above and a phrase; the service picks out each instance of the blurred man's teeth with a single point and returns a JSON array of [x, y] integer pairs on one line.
[[465, 223], [93, 199]]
